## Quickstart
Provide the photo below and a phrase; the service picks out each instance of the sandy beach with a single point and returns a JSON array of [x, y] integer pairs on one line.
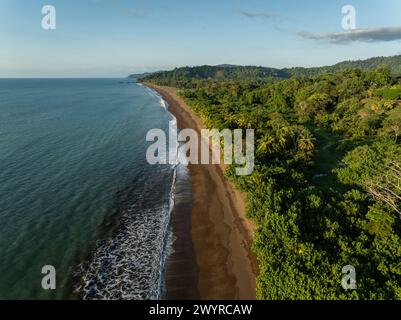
[[212, 256]]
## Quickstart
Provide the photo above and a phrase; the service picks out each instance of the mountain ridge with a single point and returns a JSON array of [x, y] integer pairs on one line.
[[250, 72]]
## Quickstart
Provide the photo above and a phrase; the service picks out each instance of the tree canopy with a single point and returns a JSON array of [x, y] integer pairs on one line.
[[326, 190]]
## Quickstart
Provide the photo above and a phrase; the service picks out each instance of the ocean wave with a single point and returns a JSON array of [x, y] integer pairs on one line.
[[130, 264], [163, 103]]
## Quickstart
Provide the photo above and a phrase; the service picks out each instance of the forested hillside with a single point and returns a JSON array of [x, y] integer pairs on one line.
[[221, 72], [178, 76], [326, 190], [393, 63]]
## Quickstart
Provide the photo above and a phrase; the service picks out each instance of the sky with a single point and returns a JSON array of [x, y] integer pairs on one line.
[[113, 38]]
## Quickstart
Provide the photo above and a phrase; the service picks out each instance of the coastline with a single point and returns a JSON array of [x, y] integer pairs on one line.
[[212, 256]]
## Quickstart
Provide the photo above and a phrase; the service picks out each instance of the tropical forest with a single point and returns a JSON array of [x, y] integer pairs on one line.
[[326, 189]]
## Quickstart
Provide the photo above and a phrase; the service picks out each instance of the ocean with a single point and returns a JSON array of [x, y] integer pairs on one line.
[[77, 193]]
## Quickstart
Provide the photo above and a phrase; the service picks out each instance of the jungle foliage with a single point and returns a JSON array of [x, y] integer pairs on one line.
[[181, 76], [326, 190]]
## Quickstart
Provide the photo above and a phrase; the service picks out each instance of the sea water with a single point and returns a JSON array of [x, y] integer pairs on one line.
[[76, 191]]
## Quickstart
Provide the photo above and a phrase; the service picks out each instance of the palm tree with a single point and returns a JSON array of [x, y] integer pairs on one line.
[[305, 140], [265, 143]]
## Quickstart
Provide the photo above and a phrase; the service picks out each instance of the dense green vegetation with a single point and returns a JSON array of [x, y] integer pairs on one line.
[[180, 76], [394, 63], [326, 190]]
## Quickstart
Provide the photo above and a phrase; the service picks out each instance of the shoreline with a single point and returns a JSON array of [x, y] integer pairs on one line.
[[213, 256]]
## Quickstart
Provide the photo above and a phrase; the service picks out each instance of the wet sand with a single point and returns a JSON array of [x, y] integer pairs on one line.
[[212, 256]]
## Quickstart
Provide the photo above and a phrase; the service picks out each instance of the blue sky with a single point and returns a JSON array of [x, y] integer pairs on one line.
[[112, 38]]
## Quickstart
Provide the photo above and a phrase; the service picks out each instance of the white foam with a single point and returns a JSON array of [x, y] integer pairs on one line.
[[131, 264]]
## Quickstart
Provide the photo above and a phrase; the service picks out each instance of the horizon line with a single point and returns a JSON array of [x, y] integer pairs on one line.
[[192, 66]]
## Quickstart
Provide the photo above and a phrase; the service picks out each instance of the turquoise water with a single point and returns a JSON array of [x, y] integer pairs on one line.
[[76, 191]]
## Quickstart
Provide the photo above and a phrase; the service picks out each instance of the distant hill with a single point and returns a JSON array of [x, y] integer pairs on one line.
[[233, 72], [393, 62], [219, 72], [138, 75]]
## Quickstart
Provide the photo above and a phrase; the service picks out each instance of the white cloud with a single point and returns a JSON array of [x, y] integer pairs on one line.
[[360, 34], [264, 15]]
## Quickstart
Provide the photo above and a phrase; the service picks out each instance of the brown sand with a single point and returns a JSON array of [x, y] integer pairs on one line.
[[221, 236]]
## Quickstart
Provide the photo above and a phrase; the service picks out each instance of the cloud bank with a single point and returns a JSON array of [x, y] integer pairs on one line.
[[264, 15], [360, 34]]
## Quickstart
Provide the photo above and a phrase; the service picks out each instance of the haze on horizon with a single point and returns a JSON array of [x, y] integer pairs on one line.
[[113, 38]]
